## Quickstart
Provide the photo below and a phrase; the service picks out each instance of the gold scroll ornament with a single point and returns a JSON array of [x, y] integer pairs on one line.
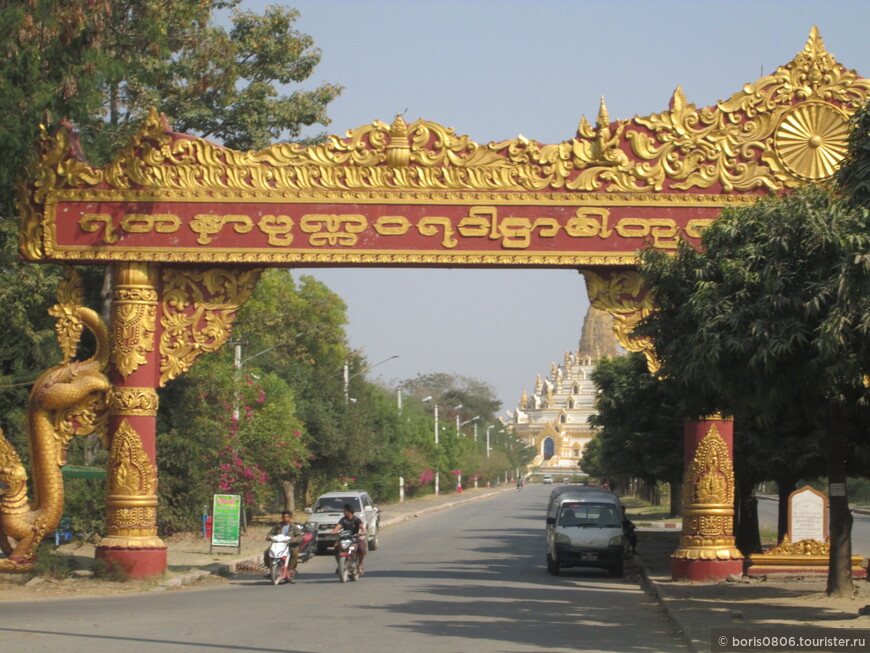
[[708, 503], [621, 293], [199, 308]]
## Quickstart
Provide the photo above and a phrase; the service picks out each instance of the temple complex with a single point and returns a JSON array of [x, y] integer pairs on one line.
[[555, 418]]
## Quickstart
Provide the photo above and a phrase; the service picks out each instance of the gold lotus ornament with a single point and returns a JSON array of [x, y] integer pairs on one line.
[[812, 140]]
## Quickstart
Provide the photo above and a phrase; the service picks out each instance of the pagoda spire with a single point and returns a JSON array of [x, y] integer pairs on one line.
[[597, 338]]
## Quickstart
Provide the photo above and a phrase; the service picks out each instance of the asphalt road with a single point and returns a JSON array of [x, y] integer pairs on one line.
[[767, 511], [471, 578]]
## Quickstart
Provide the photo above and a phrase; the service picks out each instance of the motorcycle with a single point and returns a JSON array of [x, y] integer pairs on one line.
[[279, 555], [308, 546], [348, 556]]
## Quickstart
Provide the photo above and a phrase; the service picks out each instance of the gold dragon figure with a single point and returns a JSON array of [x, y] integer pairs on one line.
[[67, 400]]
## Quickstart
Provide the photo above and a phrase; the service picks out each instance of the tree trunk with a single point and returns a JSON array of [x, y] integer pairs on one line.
[[288, 489], [748, 537], [840, 562], [676, 503], [786, 485]]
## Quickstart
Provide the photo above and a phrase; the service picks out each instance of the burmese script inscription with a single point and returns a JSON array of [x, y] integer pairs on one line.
[[808, 515], [282, 230]]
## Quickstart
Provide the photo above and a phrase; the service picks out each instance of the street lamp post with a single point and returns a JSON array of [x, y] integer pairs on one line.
[[348, 376], [488, 429], [238, 361], [437, 475], [456, 408], [468, 421]]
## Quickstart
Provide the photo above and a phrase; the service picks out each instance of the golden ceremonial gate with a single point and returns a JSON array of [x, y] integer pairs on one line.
[[187, 225]]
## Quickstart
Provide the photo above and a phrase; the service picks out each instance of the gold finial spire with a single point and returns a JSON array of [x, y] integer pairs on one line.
[[815, 46], [398, 151], [603, 115], [524, 400]]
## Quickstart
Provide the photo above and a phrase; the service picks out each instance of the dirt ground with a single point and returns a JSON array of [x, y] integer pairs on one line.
[[797, 601], [188, 552]]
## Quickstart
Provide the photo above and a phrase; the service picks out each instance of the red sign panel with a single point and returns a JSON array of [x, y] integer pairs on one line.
[[556, 232]]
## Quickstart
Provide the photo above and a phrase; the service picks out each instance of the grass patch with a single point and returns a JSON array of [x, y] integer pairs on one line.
[[51, 564]]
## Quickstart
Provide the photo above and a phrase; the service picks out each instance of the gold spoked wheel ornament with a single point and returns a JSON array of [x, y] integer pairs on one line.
[[812, 139]]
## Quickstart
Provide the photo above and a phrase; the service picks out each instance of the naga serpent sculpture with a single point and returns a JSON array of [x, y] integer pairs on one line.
[[67, 400]]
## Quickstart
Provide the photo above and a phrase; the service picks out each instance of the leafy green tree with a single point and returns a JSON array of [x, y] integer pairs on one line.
[[218, 83], [757, 323], [102, 64], [640, 425]]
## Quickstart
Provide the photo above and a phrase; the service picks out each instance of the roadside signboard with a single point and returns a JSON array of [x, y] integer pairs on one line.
[[226, 521]]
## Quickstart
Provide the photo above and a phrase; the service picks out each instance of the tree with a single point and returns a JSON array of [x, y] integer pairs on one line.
[[640, 424], [102, 64], [757, 323], [222, 85]]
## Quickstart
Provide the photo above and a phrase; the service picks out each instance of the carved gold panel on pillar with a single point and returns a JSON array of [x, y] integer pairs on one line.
[[199, 308], [133, 401], [134, 315], [621, 293], [131, 497], [708, 503]]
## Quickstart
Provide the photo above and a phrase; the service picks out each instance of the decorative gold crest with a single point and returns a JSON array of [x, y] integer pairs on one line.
[[199, 308], [621, 294], [774, 134]]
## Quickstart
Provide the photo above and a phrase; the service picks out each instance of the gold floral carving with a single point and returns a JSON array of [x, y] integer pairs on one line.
[[133, 401], [69, 326], [621, 294], [749, 143], [708, 503], [131, 493], [134, 315], [199, 308]]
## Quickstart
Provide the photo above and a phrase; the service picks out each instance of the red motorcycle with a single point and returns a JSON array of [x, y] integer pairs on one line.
[[348, 556]]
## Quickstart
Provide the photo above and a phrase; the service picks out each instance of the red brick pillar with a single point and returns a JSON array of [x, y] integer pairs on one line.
[[707, 550]]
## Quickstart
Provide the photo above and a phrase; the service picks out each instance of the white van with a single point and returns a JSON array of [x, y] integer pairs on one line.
[[584, 529]]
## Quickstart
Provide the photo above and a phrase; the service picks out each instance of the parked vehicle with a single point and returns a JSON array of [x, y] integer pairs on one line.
[[327, 510], [279, 554], [348, 556], [584, 529], [547, 480]]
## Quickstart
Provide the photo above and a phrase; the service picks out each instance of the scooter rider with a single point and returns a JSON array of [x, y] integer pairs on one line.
[[289, 528], [357, 528]]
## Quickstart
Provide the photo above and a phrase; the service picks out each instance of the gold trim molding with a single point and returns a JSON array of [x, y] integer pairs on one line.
[[774, 134], [199, 308], [133, 401]]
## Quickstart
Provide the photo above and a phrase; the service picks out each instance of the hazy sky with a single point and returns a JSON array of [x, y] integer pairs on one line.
[[497, 69]]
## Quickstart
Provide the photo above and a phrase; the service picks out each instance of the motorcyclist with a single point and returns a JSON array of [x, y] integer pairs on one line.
[[357, 528], [519, 482], [292, 530]]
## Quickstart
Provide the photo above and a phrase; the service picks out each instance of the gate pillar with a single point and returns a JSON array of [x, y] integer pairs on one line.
[[131, 540], [707, 550]]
